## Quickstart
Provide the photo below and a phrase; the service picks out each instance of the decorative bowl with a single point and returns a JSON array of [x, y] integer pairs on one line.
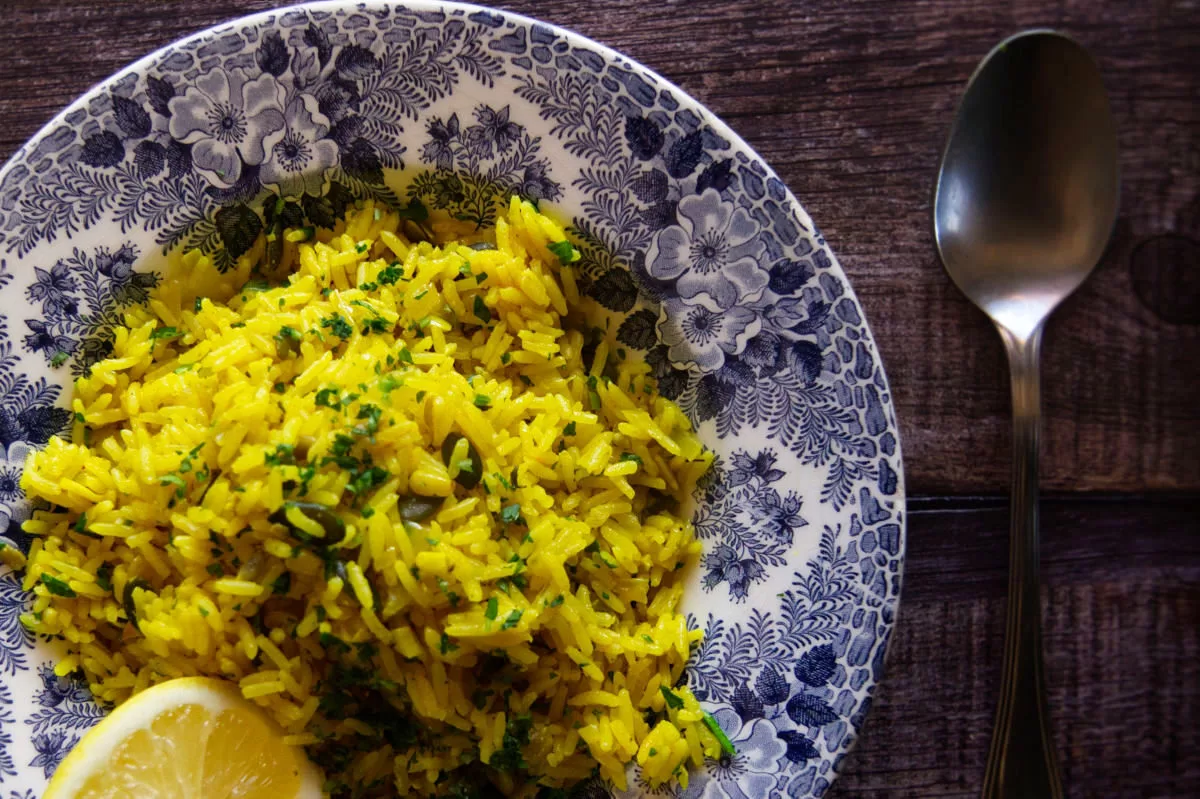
[[717, 275]]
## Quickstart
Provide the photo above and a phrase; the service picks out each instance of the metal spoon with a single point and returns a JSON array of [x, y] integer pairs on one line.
[[1025, 203]]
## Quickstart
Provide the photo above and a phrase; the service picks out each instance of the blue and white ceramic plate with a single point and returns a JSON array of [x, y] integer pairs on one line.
[[724, 284]]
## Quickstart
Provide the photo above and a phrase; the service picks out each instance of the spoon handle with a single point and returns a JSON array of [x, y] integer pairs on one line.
[[1022, 763]]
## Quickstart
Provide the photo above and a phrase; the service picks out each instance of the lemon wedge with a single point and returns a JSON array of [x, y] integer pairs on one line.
[[189, 738]]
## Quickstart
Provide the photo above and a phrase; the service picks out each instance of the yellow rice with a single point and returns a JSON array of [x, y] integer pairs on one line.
[[525, 615]]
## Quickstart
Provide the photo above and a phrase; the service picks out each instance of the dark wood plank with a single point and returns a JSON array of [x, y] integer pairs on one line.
[[850, 103], [1122, 640]]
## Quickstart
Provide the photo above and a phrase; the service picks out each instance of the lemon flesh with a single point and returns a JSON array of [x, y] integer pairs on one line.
[[190, 738]]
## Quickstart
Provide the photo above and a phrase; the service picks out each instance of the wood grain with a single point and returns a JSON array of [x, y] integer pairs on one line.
[[851, 103], [1122, 638]]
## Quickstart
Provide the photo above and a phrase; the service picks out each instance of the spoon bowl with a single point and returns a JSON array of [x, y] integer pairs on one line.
[[1025, 203], [1027, 194]]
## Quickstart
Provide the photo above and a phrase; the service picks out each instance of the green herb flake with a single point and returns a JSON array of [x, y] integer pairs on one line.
[[726, 745], [672, 698], [480, 309], [513, 620], [58, 587], [284, 455], [631, 456], [282, 584], [370, 414], [493, 607], [163, 333], [569, 430], [338, 325], [446, 646], [558, 600], [376, 325], [510, 513], [104, 576], [483, 401], [328, 398], [215, 569], [59, 359], [565, 251], [390, 274], [331, 641]]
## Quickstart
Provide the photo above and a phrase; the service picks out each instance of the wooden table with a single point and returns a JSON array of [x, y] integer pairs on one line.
[[851, 103]]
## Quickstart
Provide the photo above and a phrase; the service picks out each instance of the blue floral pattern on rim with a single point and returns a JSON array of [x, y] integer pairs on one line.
[[710, 269]]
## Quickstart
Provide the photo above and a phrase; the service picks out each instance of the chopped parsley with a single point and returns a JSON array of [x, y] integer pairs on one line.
[[331, 641], [510, 513], [726, 745], [282, 584], [328, 398], [287, 342], [564, 250], [516, 735], [59, 358], [493, 607], [367, 479], [446, 646], [390, 274], [165, 333], [284, 455], [631, 456], [513, 620], [376, 324], [370, 414], [58, 587], [104, 576], [480, 309], [483, 401], [174, 480], [338, 325], [672, 698]]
